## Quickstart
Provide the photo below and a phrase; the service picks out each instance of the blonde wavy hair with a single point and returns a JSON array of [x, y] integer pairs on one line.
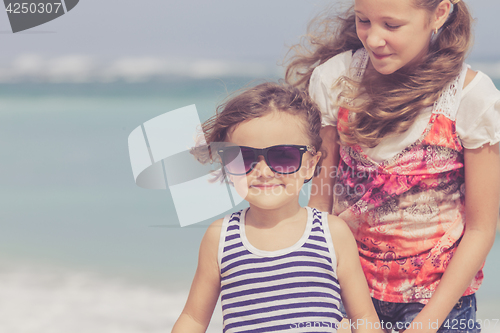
[[387, 104]]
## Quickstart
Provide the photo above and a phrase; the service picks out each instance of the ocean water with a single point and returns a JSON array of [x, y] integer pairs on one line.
[[82, 248]]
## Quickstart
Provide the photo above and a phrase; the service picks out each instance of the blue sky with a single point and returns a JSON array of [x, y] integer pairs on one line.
[[236, 31]]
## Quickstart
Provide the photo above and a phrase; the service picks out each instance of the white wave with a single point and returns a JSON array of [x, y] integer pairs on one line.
[[72, 68], [60, 302], [69, 68], [35, 300], [81, 68]]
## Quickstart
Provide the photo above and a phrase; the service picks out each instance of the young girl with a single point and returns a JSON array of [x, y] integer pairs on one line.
[[276, 265], [412, 157]]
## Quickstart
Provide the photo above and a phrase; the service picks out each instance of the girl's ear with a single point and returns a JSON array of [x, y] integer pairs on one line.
[[441, 14], [311, 165]]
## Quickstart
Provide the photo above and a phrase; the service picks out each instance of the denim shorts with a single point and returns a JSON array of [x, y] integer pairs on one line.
[[399, 316]]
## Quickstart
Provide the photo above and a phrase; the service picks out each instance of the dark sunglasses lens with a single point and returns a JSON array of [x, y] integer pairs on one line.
[[248, 158], [236, 160], [284, 159], [231, 159]]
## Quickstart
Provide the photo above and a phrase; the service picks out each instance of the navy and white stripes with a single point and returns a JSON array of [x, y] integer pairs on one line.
[[291, 290]]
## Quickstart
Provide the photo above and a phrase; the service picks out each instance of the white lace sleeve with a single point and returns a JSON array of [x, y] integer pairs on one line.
[[321, 86], [478, 118]]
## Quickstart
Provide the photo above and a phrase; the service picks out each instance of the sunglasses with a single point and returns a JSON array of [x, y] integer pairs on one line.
[[282, 159]]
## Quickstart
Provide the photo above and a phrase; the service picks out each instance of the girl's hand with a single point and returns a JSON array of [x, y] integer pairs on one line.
[[353, 287], [205, 288], [322, 185]]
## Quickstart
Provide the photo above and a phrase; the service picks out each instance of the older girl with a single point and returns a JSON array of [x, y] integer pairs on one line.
[[412, 165]]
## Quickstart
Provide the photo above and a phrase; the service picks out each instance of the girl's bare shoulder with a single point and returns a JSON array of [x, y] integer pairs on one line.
[[214, 229], [340, 231], [344, 244], [210, 241]]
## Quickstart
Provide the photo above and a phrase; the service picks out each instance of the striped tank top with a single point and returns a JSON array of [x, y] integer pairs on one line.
[[290, 290]]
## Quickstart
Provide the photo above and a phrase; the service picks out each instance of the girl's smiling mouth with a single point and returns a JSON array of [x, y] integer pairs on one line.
[[381, 56], [265, 186]]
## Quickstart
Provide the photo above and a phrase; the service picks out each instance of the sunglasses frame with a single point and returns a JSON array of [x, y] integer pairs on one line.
[[263, 152]]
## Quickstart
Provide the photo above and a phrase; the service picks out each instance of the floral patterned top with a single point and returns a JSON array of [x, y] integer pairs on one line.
[[407, 212]]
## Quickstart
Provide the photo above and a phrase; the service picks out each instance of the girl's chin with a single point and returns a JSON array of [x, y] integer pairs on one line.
[[385, 70], [380, 67]]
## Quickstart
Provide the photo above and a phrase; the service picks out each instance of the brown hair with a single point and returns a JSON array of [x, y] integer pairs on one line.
[[257, 102], [389, 103]]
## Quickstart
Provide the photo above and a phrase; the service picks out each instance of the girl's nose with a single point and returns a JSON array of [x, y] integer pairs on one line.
[[375, 38], [262, 169]]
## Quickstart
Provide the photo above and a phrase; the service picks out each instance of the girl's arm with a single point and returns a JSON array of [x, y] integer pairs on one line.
[[322, 185], [353, 287], [205, 288], [482, 197]]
